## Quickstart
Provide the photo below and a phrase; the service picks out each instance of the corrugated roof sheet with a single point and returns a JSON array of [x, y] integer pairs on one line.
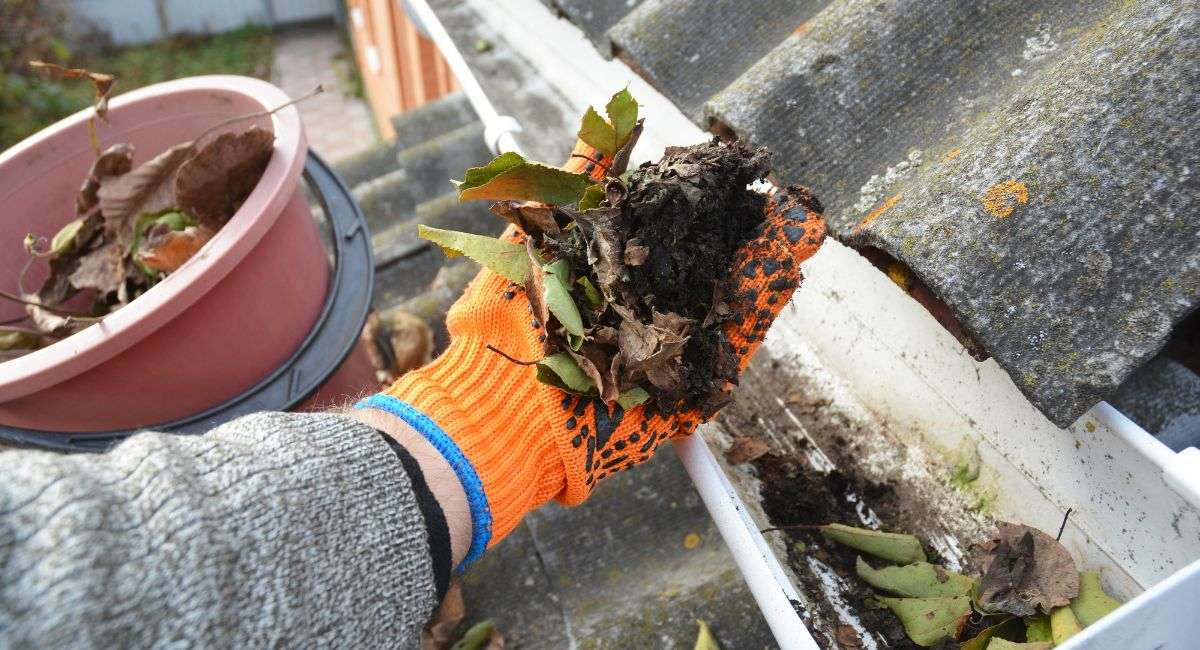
[[1033, 163]]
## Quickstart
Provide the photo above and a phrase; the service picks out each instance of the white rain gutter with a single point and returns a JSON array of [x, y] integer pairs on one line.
[[768, 583]]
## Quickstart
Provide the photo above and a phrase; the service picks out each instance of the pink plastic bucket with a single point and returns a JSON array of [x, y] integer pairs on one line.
[[222, 322]]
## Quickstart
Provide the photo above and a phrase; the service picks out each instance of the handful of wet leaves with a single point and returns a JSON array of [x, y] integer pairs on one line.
[[133, 225], [628, 275], [1031, 595]]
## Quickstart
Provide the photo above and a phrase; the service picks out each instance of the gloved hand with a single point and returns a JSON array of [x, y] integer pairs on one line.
[[514, 442]]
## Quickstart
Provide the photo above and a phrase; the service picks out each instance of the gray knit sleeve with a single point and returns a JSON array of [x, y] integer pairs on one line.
[[274, 530]]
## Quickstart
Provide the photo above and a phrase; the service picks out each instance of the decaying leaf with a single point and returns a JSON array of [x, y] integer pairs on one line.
[[635, 253], [509, 177], [479, 637], [1063, 625], [1027, 571], [1009, 627], [165, 250], [532, 218], [930, 620], [561, 371], [1005, 644], [745, 449], [438, 634], [596, 364], [1092, 604], [148, 189], [102, 83], [606, 252], [1037, 628], [893, 547], [916, 580], [116, 160], [705, 639], [506, 259], [592, 197], [213, 184], [102, 269], [652, 351]]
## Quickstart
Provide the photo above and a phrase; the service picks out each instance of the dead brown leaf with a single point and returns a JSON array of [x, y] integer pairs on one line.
[[438, 634], [212, 185], [102, 83], [652, 351], [146, 189], [116, 160], [599, 365], [635, 253], [411, 342], [165, 250], [531, 217], [1027, 570], [606, 252], [745, 449], [847, 638], [535, 289], [102, 269]]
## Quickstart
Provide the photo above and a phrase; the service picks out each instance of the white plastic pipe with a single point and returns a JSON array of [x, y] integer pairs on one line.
[[1181, 470], [765, 578]]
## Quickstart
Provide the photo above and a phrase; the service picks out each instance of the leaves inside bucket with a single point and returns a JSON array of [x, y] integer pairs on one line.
[[133, 224]]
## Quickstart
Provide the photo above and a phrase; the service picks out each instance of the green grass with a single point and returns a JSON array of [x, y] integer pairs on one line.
[[30, 101]]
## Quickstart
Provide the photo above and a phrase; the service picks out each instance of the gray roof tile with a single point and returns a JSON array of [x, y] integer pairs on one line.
[[690, 49], [1033, 163]]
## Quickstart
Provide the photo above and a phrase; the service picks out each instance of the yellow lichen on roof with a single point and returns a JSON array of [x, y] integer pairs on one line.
[[1001, 199], [884, 207]]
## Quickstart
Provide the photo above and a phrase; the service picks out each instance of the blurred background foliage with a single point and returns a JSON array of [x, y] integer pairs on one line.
[[38, 29]]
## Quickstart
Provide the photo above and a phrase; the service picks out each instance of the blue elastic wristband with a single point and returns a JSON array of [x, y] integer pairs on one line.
[[481, 513]]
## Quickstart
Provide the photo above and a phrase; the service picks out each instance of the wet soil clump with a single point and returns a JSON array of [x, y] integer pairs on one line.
[[661, 247]]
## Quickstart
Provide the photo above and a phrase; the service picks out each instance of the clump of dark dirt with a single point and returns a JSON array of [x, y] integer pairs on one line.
[[660, 247], [693, 211]]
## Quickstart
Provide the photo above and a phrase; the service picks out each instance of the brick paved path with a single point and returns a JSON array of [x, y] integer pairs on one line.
[[337, 124]]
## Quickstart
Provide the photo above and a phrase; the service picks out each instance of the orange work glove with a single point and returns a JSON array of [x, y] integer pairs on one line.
[[515, 442]]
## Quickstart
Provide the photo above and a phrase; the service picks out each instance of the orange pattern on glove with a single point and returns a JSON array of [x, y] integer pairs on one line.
[[530, 442]]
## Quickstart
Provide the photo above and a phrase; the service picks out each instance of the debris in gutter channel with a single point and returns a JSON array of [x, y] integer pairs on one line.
[[1031, 595]]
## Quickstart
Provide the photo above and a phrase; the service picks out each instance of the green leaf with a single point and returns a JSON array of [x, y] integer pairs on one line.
[[504, 258], [929, 620], [558, 298], [562, 372], [1092, 603], [632, 397], [596, 131], [592, 197], [64, 239], [704, 638], [1063, 625], [1037, 628], [893, 547], [476, 637], [510, 177], [1008, 627], [1005, 644], [918, 580], [622, 113], [590, 293]]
